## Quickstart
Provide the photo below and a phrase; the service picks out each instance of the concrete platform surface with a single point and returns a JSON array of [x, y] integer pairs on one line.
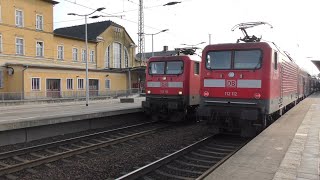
[[288, 149], [32, 115]]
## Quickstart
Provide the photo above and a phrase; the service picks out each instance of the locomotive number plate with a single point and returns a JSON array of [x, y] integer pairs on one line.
[[230, 93], [231, 83]]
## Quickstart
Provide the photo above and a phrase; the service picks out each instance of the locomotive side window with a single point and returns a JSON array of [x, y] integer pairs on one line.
[[247, 59], [275, 56], [174, 67], [156, 67], [196, 68], [219, 60]]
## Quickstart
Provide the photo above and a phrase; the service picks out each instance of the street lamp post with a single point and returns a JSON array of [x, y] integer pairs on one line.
[[86, 55], [156, 34]]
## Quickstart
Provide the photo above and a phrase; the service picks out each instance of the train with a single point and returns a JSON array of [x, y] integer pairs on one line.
[[172, 86], [239, 87], [245, 86]]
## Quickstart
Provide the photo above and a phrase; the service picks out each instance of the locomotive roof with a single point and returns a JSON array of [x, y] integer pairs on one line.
[[192, 57]]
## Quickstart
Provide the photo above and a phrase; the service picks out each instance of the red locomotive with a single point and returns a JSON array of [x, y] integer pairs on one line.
[[243, 85], [172, 86]]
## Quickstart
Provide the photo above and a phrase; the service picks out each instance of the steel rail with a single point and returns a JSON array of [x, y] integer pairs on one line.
[[26, 150], [71, 152]]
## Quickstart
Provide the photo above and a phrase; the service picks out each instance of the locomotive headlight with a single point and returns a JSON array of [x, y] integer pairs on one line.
[[180, 92], [148, 91], [257, 95]]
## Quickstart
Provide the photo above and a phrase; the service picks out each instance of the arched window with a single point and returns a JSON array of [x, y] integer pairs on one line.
[[126, 58], [117, 55], [107, 57]]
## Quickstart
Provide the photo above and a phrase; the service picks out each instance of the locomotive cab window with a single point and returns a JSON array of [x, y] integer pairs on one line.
[[275, 57], [196, 68], [174, 67], [237, 59], [247, 59], [219, 60], [156, 67]]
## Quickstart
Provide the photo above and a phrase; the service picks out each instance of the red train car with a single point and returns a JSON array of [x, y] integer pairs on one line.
[[172, 87], [244, 84]]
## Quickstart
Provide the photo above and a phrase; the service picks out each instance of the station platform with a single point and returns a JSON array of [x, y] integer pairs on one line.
[[28, 122], [287, 149], [31, 115]]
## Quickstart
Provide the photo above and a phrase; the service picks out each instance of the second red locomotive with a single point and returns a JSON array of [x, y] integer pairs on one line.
[[172, 86]]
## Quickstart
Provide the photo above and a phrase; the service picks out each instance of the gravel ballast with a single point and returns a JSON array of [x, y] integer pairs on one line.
[[115, 161]]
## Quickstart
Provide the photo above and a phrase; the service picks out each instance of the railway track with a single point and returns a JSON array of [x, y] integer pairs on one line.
[[26, 158], [193, 162]]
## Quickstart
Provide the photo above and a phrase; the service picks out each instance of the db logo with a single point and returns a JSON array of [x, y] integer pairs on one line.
[[206, 94], [231, 83], [164, 84]]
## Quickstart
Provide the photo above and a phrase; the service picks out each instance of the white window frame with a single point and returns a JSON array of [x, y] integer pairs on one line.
[[107, 58], [75, 54], [42, 50], [60, 53], [1, 78], [22, 18], [39, 84], [1, 44], [105, 83], [22, 46], [39, 26], [92, 56], [79, 88], [117, 56], [72, 84], [83, 55]]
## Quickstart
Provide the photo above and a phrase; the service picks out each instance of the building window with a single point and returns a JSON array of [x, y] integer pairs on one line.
[[19, 18], [60, 52], [39, 49], [74, 54], [69, 84], [19, 46], [116, 55], [126, 57], [80, 84], [108, 83], [1, 78], [1, 44], [39, 22], [107, 60], [84, 55], [35, 84], [92, 56]]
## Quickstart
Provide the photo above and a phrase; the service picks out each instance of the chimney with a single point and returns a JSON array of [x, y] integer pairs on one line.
[[165, 48]]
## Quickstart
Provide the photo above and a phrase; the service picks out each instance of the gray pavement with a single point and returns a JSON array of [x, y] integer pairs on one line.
[[30, 115], [288, 149]]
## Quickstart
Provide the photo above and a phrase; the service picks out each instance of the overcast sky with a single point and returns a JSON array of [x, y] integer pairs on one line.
[[296, 27]]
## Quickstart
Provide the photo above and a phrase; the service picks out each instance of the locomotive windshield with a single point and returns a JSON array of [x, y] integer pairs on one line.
[[157, 67], [238, 59], [170, 67]]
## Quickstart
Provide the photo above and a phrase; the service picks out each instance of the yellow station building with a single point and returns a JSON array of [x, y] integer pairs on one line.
[[37, 61]]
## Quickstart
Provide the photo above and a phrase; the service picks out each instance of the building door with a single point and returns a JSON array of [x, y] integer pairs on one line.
[[93, 87], [53, 88]]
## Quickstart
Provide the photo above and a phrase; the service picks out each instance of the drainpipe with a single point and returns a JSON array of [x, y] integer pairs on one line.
[[25, 68]]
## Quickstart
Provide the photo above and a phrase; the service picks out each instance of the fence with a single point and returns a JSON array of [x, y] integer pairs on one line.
[[80, 94]]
